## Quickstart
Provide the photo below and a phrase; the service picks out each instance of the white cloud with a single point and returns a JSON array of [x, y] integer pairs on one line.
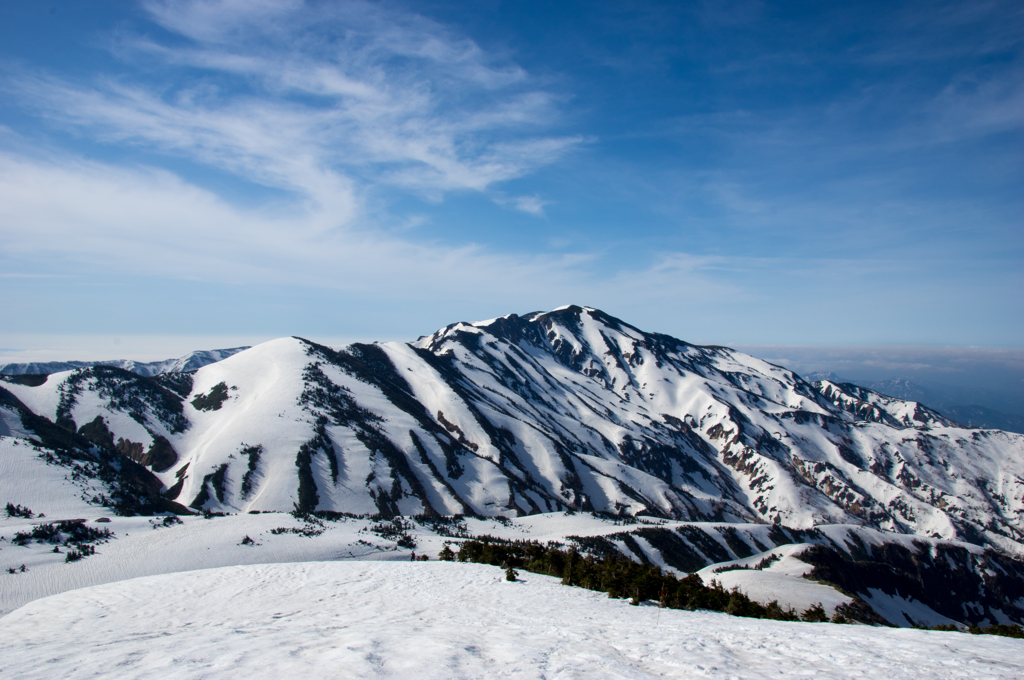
[[330, 101], [65, 215], [147, 221], [69, 215], [324, 100], [532, 205], [327, 102]]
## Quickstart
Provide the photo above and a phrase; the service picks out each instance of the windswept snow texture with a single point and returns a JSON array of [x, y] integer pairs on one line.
[[29, 479], [429, 620], [189, 362], [570, 409]]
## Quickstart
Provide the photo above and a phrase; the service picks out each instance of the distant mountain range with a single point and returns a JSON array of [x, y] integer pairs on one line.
[[957, 403], [190, 362]]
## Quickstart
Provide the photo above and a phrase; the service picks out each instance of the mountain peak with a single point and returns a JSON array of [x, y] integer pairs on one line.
[[546, 411]]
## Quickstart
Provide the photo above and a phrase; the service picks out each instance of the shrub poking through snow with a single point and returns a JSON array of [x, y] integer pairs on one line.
[[395, 530], [19, 511], [69, 533], [999, 629], [248, 479], [814, 613], [762, 564], [79, 553], [453, 526], [213, 400], [313, 526], [168, 521]]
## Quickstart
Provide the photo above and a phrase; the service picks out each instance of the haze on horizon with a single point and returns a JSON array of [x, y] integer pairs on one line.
[[792, 174]]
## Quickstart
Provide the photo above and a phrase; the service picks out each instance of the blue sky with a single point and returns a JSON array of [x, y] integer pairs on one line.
[[798, 173]]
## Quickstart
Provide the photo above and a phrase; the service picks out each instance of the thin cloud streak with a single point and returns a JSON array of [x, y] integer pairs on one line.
[[85, 217], [396, 100], [754, 209], [146, 221]]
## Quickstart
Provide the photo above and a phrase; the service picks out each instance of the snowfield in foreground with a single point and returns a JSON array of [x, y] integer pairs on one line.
[[443, 620]]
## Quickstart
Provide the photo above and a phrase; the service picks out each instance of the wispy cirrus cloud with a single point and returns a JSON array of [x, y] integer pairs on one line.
[[324, 100], [800, 196]]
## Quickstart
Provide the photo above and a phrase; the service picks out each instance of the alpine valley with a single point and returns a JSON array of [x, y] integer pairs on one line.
[[568, 425]]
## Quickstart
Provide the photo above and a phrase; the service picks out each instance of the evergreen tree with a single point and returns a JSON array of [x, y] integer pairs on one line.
[[814, 613]]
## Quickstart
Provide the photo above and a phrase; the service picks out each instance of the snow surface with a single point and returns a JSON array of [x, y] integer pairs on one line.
[[443, 620], [142, 546], [11, 425], [26, 479], [782, 581]]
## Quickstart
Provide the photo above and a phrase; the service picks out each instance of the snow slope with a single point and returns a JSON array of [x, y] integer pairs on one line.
[[431, 620], [782, 581], [143, 546], [28, 480]]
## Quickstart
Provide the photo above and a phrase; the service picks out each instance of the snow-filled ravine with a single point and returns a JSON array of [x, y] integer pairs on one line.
[[443, 620]]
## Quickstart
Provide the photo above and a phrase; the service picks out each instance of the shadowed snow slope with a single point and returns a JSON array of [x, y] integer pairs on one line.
[[570, 409]]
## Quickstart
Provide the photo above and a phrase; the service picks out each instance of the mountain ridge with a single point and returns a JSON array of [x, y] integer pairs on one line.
[[565, 410], [962, 405], [189, 362]]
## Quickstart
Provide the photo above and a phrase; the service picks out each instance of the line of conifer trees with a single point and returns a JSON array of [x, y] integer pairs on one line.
[[622, 578]]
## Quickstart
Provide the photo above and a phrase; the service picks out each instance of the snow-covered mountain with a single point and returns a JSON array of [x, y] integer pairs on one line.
[[184, 364], [570, 409]]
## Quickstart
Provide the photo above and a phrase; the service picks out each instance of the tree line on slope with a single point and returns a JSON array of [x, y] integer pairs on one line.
[[621, 577]]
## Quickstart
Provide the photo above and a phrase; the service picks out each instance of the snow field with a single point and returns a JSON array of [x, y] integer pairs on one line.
[[138, 549], [26, 479], [443, 620], [781, 581], [143, 546]]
